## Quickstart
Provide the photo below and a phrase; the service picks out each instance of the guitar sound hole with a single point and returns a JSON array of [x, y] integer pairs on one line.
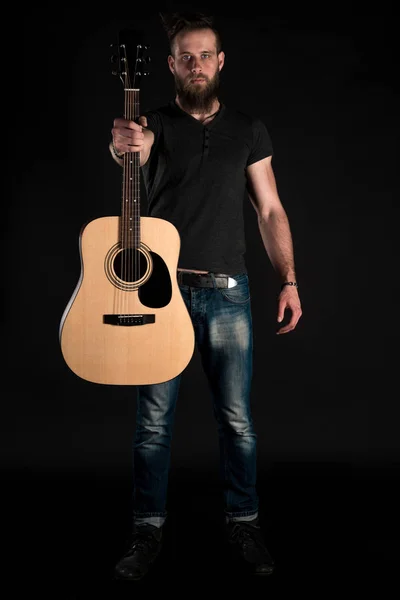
[[130, 265]]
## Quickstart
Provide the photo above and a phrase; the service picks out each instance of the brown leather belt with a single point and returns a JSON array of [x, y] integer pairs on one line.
[[205, 279]]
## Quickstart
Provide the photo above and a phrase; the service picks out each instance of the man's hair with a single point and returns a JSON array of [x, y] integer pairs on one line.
[[184, 22]]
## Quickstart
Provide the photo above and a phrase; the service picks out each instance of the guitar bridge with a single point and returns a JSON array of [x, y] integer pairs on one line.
[[128, 320]]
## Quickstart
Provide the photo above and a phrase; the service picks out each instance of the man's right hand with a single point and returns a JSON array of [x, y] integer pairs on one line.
[[128, 135]]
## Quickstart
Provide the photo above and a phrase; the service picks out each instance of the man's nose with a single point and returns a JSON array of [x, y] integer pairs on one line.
[[196, 66]]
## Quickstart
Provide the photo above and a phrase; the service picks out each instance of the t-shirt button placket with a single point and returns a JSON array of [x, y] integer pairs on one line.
[[206, 141]]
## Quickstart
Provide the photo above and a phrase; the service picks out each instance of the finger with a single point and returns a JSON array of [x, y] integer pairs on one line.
[[127, 136], [289, 327], [131, 141], [143, 121], [131, 148], [292, 323], [283, 330], [120, 124], [281, 311]]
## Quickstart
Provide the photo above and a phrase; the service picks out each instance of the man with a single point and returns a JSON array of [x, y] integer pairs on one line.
[[198, 159]]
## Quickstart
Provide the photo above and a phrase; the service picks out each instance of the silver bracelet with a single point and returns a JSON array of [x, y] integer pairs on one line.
[[120, 156]]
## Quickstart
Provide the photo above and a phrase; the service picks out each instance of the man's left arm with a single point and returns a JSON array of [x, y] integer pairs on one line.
[[276, 235]]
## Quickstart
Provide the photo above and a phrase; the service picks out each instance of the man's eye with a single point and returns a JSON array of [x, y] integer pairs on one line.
[[206, 55]]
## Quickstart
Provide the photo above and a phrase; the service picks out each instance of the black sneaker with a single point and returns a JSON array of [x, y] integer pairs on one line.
[[246, 541], [144, 549]]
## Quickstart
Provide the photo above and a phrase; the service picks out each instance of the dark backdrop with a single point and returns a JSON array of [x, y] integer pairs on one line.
[[324, 403]]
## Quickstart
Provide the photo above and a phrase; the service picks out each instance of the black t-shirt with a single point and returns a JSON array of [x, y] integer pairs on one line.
[[195, 178]]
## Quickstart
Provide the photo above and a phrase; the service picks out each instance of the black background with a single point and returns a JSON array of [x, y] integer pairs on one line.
[[323, 78]]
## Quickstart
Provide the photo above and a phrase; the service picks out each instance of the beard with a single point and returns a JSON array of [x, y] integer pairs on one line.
[[196, 97]]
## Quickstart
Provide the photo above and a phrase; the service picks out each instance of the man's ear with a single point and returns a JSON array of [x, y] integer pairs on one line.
[[171, 63], [221, 59]]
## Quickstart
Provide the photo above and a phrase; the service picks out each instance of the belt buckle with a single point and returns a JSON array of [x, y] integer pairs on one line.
[[231, 282]]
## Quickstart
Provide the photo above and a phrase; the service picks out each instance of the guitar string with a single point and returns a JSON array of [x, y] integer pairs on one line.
[[129, 221], [122, 233], [128, 215], [132, 241], [128, 250], [128, 206], [133, 205], [122, 262], [136, 215], [130, 263], [125, 245], [136, 220]]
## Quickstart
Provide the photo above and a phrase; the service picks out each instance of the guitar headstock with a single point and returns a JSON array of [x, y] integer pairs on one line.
[[130, 58]]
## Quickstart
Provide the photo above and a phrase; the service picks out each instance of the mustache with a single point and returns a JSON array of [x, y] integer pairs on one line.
[[191, 78]]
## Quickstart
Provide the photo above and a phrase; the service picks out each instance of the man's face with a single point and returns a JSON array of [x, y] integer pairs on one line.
[[196, 66]]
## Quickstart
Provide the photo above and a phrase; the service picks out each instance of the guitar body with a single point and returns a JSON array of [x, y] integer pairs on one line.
[[126, 322]]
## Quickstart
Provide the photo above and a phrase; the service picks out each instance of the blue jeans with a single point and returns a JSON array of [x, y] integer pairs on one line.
[[222, 323]]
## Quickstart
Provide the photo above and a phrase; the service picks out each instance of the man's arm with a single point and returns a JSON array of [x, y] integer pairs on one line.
[[275, 233]]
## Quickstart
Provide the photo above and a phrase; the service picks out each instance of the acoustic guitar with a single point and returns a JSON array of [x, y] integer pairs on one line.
[[126, 322]]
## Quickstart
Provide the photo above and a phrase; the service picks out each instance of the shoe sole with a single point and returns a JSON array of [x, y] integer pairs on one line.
[[265, 574], [137, 578]]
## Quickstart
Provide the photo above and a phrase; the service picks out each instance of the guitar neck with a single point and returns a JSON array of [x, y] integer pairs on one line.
[[130, 209], [130, 68]]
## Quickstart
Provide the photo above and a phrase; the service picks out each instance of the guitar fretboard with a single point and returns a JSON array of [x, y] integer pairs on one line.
[[130, 212]]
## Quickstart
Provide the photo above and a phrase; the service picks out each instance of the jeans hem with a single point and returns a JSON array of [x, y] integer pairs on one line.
[[243, 513], [146, 515]]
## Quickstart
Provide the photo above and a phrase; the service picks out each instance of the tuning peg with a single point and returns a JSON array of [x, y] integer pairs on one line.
[[114, 58]]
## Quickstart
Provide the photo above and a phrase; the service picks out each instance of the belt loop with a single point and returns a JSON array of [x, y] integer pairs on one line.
[[213, 279]]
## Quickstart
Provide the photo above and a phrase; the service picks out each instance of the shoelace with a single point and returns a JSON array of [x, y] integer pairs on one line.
[[243, 535], [143, 541]]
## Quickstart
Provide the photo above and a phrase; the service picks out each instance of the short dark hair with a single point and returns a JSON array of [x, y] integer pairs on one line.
[[183, 22]]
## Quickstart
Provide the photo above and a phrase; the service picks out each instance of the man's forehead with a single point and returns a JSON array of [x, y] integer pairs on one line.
[[196, 41]]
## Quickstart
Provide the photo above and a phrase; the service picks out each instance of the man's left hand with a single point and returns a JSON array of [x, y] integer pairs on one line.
[[289, 299]]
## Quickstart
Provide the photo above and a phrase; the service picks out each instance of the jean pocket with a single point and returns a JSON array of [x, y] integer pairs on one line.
[[240, 293]]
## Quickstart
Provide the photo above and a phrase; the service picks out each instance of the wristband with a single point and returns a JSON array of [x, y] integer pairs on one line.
[[120, 156], [289, 283]]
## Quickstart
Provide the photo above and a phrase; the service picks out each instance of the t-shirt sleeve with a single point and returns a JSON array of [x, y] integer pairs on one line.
[[154, 124], [262, 144]]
